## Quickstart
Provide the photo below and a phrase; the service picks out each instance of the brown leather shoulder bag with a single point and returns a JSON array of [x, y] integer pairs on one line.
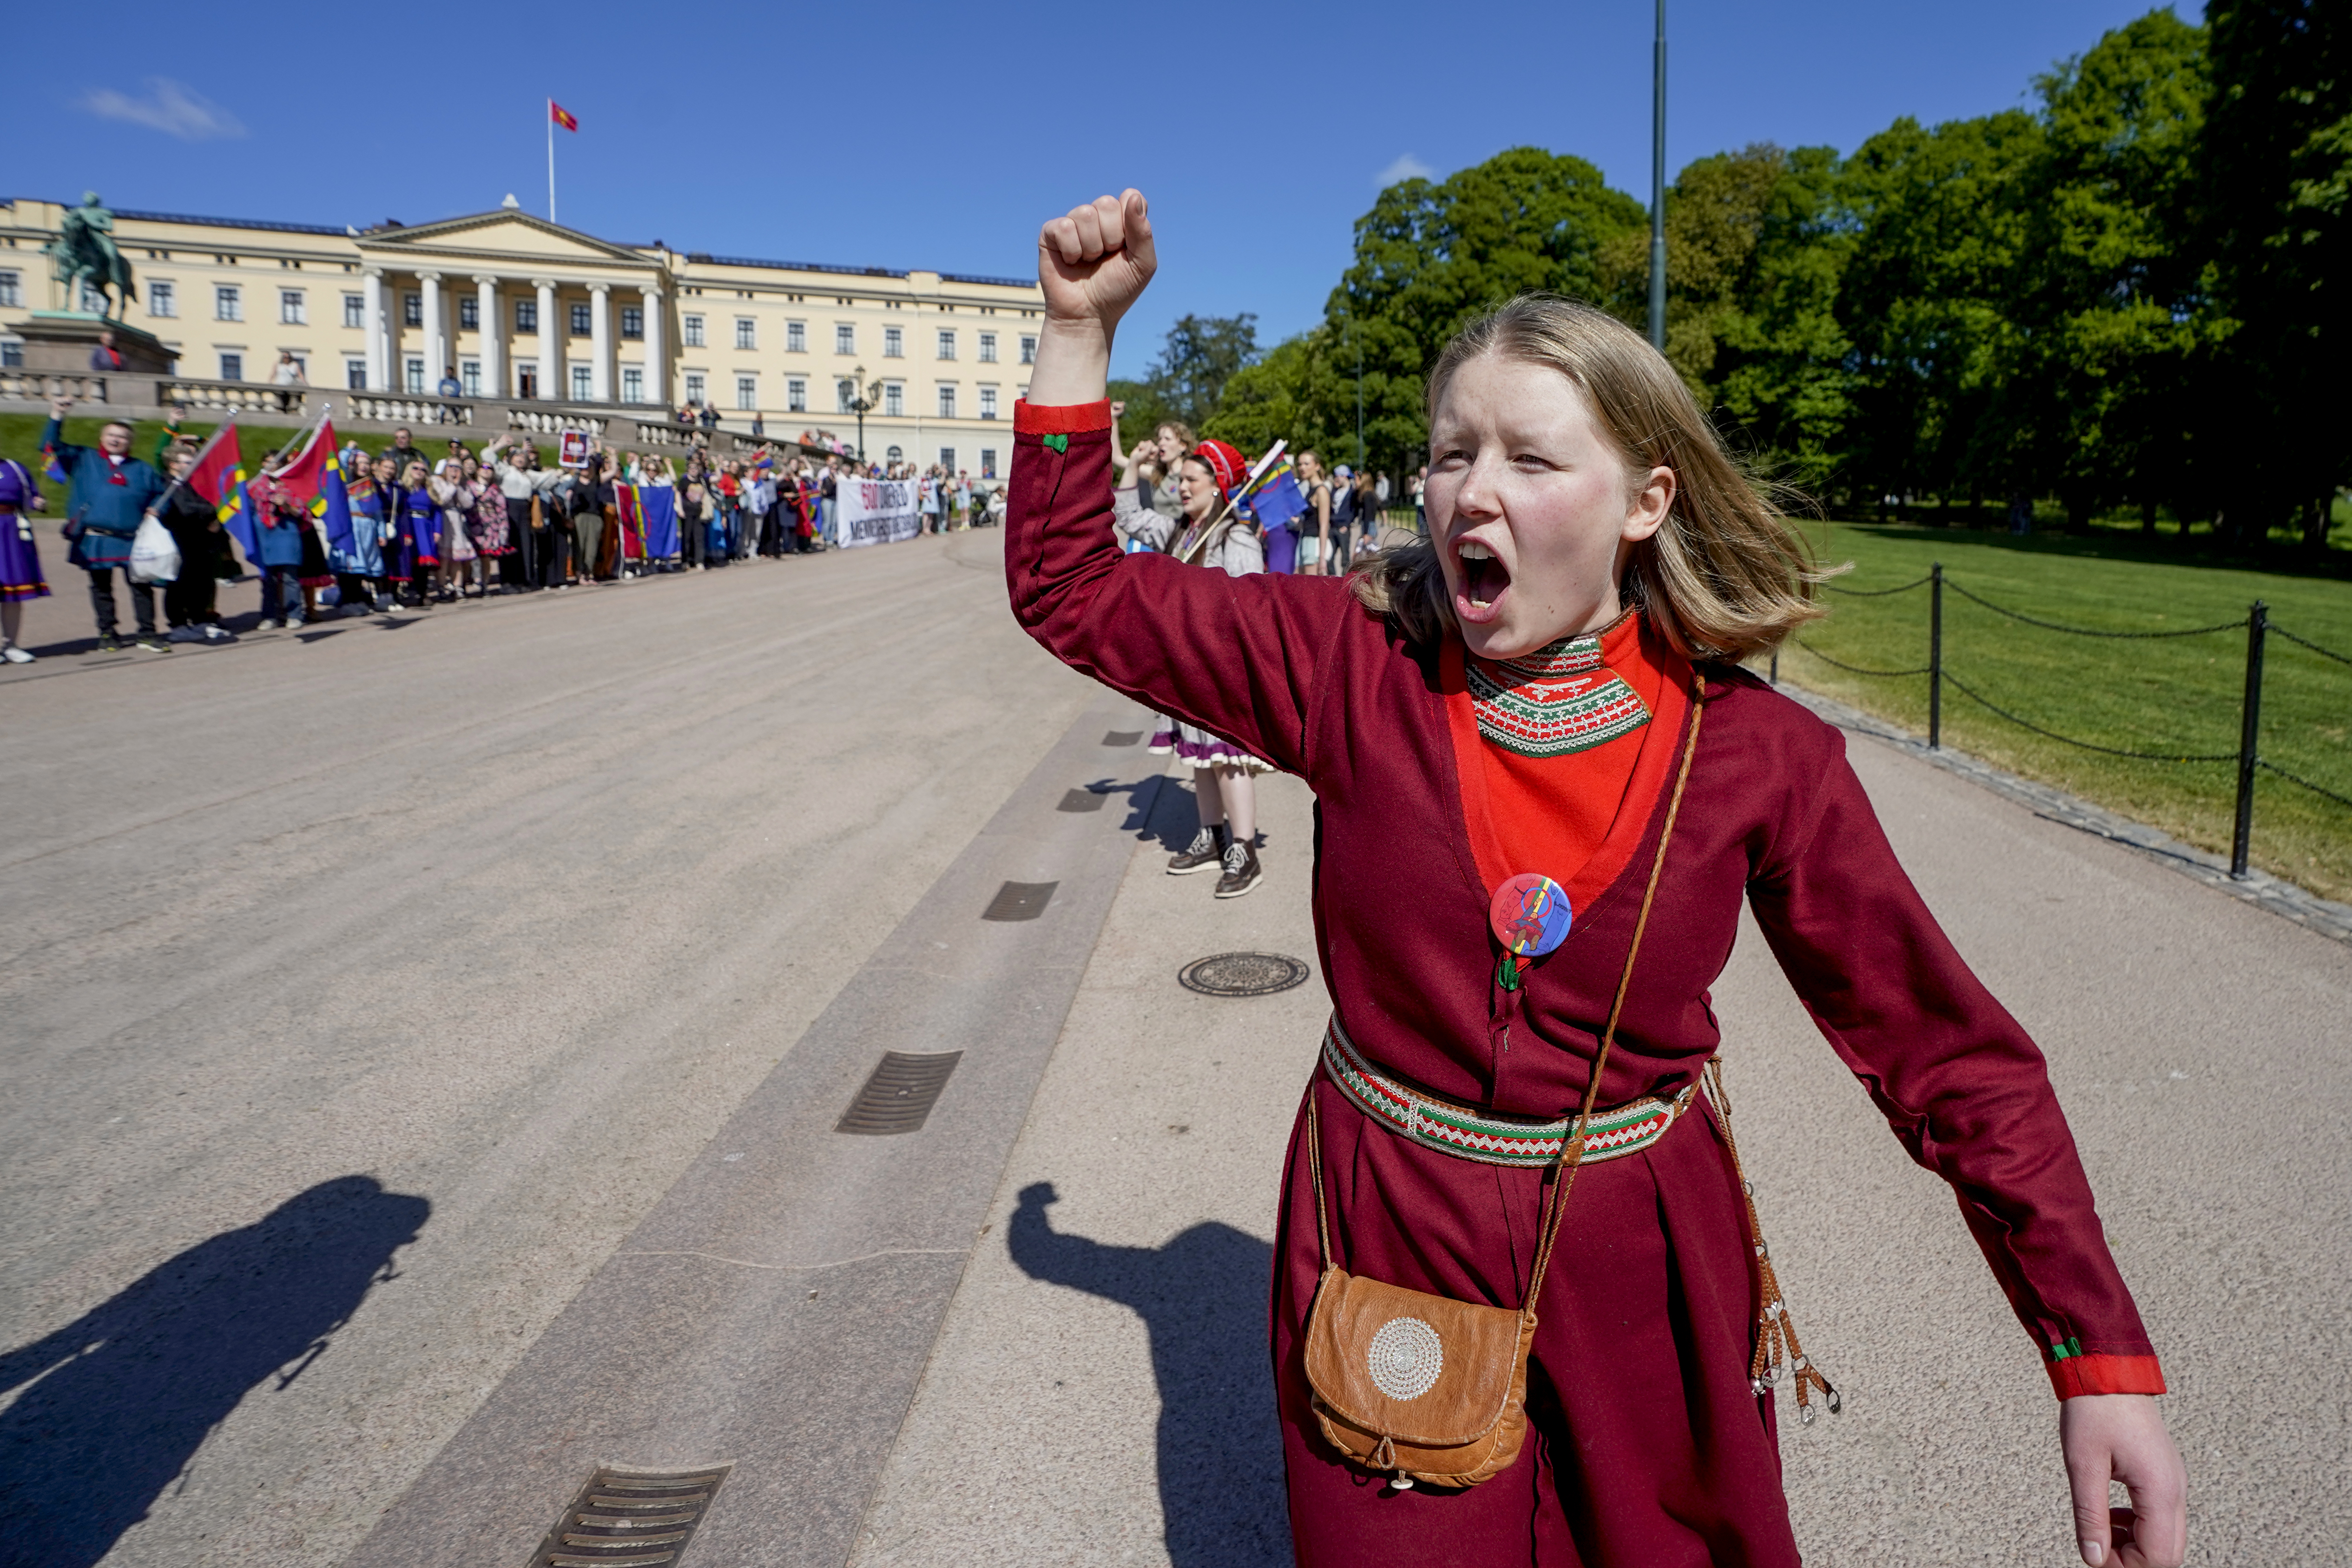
[[1423, 1386]]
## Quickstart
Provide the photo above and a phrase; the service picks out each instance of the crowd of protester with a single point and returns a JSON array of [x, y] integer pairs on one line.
[[426, 527]]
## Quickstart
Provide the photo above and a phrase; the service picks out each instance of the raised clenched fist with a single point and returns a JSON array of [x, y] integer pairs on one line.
[[1094, 262]]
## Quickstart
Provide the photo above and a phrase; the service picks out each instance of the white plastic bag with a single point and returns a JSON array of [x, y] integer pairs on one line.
[[154, 553]]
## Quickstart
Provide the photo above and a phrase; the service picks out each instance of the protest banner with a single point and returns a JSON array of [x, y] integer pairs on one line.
[[575, 453], [874, 512]]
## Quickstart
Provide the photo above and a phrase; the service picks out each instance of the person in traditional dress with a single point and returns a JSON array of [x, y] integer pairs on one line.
[[20, 556], [278, 525], [415, 553], [1545, 694], [111, 491], [360, 568], [446, 484]]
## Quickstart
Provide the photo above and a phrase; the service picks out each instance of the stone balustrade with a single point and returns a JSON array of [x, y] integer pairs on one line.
[[222, 396], [40, 385]]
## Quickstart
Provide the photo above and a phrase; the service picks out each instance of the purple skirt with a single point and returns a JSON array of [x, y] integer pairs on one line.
[[20, 562]]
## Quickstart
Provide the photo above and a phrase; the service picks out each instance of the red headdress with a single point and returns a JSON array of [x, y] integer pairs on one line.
[[1226, 462]]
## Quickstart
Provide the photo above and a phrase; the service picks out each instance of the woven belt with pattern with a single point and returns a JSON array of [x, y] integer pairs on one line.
[[1482, 1136]]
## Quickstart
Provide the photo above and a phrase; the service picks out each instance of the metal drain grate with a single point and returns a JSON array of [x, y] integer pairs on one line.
[[1081, 800], [1241, 975], [631, 1518], [1122, 737], [1019, 901], [899, 1095]]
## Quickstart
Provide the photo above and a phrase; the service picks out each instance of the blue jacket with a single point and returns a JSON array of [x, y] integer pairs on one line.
[[108, 512]]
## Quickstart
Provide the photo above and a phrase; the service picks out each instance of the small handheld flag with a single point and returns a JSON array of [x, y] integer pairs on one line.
[[1278, 499]]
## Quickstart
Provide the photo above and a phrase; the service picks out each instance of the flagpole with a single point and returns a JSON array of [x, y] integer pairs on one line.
[[202, 452], [550, 159]]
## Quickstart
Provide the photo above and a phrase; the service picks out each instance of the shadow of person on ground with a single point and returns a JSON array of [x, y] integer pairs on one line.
[[1203, 1298], [125, 1395]]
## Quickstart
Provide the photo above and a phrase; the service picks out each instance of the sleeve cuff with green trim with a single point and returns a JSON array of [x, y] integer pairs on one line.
[[2081, 1373], [1060, 419]]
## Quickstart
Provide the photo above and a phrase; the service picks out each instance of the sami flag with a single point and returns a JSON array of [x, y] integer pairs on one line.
[[563, 116], [219, 473], [304, 475], [244, 523], [658, 507], [1276, 499], [334, 505]]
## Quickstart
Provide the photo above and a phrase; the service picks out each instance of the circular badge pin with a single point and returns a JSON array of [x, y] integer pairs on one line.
[[1529, 915]]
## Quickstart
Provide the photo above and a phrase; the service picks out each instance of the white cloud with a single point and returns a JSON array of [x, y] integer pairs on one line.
[[1406, 167], [169, 107]]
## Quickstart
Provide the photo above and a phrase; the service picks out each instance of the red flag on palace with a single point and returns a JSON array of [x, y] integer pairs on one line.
[[563, 116], [304, 475], [219, 473]]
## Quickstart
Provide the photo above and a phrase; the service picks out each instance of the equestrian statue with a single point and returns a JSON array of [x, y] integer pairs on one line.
[[87, 257]]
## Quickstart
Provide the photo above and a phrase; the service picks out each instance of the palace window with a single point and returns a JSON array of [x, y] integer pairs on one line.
[[469, 312], [746, 332], [469, 376], [291, 310], [694, 387], [162, 300], [895, 455], [947, 342], [632, 384], [690, 331], [232, 366], [894, 400], [355, 374], [11, 287], [988, 462], [632, 322], [1028, 349], [844, 392], [412, 310], [525, 315], [947, 458], [354, 310], [987, 402], [12, 354], [582, 383], [946, 403], [229, 305], [796, 337], [415, 369], [988, 348], [579, 320], [797, 395], [894, 343], [845, 338], [747, 393]]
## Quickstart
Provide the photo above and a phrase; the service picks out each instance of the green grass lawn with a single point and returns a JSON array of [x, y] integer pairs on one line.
[[2176, 694]]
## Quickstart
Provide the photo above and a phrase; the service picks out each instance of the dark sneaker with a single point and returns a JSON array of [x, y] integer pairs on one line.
[[108, 643], [153, 644], [1207, 848], [1242, 873], [185, 634]]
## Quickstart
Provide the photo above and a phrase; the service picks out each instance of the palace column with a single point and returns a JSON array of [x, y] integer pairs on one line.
[[436, 341], [551, 351], [379, 346], [656, 354], [600, 341], [493, 336]]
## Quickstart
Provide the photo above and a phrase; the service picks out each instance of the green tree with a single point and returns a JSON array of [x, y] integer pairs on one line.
[[2274, 182], [1202, 354]]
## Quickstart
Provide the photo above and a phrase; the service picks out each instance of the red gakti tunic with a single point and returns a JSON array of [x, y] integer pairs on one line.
[[1648, 1446]]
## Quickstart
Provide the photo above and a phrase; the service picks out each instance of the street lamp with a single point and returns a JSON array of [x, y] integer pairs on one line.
[[864, 395]]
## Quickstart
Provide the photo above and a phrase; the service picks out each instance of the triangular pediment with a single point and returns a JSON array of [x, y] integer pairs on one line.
[[504, 232]]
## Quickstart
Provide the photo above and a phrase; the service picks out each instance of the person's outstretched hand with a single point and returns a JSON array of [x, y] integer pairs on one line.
[[2121, 1437], [1092, 263]]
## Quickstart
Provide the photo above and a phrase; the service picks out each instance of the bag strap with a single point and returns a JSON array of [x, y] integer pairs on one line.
[[1571, 1151]]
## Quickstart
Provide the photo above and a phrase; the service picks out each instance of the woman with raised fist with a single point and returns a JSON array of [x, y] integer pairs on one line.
[[1545, 787]]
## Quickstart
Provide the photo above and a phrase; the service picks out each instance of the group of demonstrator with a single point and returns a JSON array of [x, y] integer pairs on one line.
[[426, 529]]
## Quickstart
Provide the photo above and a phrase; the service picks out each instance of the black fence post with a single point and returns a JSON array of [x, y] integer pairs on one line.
[[2249, 732], [1936, 658]]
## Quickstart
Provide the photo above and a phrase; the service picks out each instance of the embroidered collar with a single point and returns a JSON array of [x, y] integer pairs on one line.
[[1559, 699]]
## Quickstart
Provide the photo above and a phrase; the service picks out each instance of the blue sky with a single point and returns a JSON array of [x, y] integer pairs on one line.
[[928, 134]]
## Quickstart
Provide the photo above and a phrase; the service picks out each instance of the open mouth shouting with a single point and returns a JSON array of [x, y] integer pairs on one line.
[[1485, 579]]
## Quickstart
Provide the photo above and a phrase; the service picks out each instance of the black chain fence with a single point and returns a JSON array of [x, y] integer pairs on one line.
[[2256, 625]]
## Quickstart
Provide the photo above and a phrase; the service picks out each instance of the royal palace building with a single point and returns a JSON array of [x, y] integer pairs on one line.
[[522, 312]]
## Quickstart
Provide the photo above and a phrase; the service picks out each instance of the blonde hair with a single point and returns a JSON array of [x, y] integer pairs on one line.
[[1726, 576]]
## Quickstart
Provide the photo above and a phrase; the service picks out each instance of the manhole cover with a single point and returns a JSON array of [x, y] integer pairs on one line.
[[899, 1095], [1243, 975], [632, 1519], [1081, 800], [1019, 901], [1122, 737]]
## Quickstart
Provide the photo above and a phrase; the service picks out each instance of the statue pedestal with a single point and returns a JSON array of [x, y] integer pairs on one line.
[[59, 343]]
